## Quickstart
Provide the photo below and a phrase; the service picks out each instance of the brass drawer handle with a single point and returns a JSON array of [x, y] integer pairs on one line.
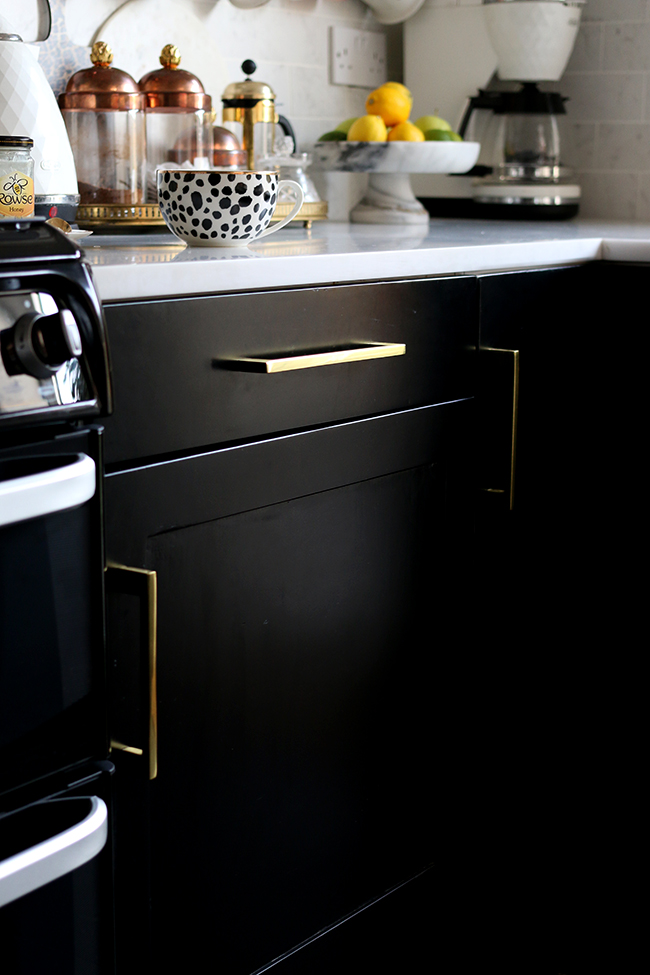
[[514, 416], [371, 350], [144, 584]]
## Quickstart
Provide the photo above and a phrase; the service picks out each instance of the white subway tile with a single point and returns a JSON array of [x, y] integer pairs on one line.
[[603, 96], [643, 198], [587, 53], [577, 143], [624, 146], [615, 10], [610, 196], [315, 97], [626, 47]]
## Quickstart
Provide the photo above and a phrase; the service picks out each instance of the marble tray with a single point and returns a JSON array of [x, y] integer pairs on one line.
[[395, 157]]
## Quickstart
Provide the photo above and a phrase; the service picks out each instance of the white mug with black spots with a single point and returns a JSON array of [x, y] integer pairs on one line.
[[208, 208]]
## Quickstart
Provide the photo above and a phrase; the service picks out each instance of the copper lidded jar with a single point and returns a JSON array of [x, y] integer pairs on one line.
[[103, 110], [178, 116], [249, 111]]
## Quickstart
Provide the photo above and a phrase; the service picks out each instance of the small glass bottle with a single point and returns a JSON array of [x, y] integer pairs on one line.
[[16, 177]]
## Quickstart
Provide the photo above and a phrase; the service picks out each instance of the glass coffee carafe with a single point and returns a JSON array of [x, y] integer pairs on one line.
[[103, 110]]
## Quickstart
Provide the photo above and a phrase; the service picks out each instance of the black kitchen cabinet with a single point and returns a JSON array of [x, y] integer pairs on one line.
[[311, 534], [556, 603]]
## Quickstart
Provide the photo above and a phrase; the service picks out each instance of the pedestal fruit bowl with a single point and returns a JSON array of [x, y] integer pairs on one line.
[[389, 197]]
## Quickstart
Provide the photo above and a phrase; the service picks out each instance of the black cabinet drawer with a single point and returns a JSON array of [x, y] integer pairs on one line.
[[173, 391]]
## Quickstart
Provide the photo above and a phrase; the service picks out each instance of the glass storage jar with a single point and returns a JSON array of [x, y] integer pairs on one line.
[[103, 110], [178, 116], [16, 177]]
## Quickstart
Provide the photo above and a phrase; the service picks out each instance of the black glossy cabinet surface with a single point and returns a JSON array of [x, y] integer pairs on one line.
[[313, 562], [174, 395], [375, 673], [556, 602]]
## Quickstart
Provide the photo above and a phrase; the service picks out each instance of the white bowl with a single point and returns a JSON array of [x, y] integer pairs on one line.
[[396, 157]]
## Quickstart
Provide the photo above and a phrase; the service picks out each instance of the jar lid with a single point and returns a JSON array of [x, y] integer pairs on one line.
[[239, 92], [171, 88], [101, 88], [16, 142]]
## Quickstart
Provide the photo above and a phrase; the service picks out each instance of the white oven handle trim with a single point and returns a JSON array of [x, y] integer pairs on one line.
[[48, 491], [54, 858]]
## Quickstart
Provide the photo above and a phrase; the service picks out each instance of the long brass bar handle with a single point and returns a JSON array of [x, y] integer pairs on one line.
[[514, 418], [309, 360], [144, 584]]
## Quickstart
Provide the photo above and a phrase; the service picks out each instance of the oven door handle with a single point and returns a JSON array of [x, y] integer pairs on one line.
[[55, 857], [47, 491]]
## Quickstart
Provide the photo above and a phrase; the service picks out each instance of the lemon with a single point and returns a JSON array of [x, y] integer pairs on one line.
[[390, 103], [405, 132], [345, 126], [399, 86], [368, 128], [427, 122]]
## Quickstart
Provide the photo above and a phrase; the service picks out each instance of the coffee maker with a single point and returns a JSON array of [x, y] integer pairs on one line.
[[519, 173]]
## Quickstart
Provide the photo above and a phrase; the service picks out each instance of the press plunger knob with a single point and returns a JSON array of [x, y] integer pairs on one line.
[[249, 67], [38, 345]]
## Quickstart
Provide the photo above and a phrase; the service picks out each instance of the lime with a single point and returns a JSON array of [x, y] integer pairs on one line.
[[440, 135], [427, 122], [346, 126], [335, 136]]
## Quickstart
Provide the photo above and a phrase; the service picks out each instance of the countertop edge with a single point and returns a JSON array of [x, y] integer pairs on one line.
[[151, 281]]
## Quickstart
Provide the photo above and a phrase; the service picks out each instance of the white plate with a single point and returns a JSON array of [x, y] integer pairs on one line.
[[395, 157], [78, 234]]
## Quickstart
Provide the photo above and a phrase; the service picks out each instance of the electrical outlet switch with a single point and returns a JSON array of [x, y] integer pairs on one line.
[[357, 57]]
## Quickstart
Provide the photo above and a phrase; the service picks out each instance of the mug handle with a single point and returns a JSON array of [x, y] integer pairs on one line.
[[300, 196]]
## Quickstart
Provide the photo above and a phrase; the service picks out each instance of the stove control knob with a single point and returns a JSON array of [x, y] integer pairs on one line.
[[39, 344]]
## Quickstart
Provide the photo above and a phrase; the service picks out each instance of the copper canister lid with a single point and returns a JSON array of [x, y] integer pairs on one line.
[[101, 88], [171, 88]]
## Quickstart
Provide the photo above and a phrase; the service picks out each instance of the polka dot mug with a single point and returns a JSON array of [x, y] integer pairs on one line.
[[208, 208]]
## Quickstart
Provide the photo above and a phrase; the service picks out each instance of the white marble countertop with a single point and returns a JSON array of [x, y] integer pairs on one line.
[[157, 265]]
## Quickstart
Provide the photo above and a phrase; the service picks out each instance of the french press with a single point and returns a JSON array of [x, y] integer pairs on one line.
[[251, 105]]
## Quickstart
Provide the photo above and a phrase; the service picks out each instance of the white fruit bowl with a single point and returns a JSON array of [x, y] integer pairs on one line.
[[389, 198], [396, 157]]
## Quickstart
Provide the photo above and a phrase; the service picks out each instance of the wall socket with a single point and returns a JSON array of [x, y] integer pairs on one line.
[[357, 57]]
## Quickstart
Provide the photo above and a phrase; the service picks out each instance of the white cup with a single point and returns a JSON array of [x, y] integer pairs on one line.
[[216, 208]]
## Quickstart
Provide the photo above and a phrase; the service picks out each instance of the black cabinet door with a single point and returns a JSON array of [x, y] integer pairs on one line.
[[556, 602], [310, 601]]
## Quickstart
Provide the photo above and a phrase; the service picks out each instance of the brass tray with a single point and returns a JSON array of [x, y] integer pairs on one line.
[[119, 215], [90, 217], [307, 213]]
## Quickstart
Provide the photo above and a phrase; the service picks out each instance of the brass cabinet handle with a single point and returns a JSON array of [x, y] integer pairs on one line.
[[144, 584], [309, 360], [514, 418]]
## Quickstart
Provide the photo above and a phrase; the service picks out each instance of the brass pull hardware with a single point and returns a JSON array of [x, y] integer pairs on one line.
[[310, 360], [513, 427], [117, 746], [144, 584]]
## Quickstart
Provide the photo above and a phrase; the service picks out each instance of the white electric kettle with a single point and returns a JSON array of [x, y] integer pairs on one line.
[[28, 107]]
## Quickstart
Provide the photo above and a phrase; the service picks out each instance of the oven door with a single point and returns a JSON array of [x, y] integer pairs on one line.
[[56, 887], [52, 680]]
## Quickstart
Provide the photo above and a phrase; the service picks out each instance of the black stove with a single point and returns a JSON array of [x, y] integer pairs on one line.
[[55, 772]]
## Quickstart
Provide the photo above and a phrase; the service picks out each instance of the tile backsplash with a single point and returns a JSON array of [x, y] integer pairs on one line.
[[288, 39], [606, 132]]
